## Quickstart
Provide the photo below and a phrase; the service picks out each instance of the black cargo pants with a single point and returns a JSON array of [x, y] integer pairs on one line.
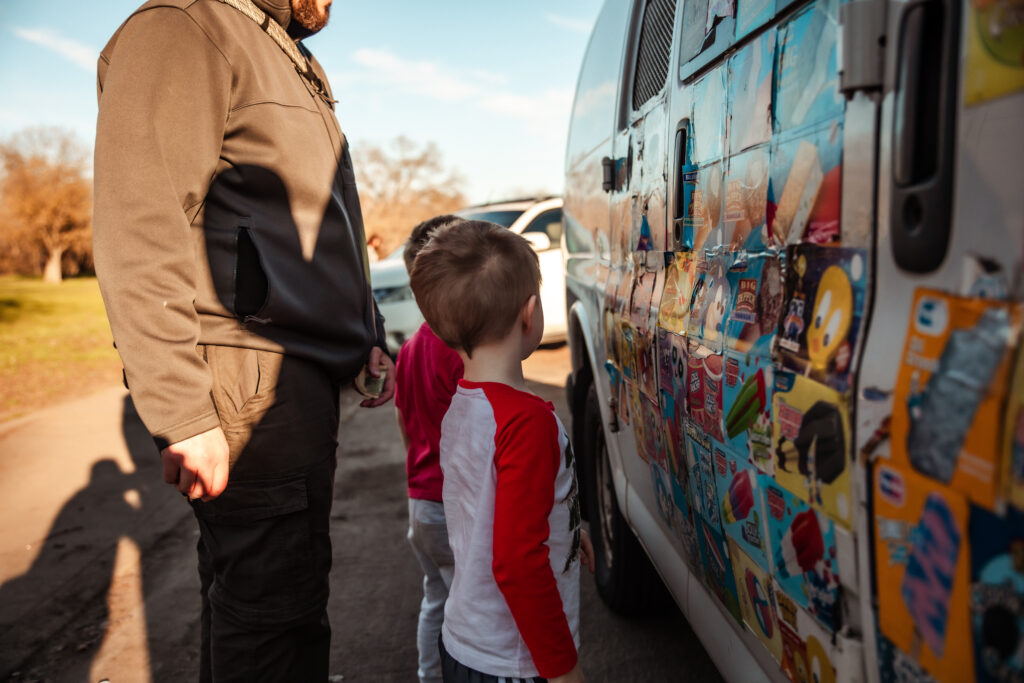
[[264, 546]]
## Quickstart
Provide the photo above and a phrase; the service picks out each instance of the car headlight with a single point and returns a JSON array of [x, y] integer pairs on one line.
[[387, 295]]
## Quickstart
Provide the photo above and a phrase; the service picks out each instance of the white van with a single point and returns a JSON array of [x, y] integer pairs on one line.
[[794, 232]]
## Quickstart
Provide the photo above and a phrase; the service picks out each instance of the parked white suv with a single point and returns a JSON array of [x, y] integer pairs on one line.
[[538, 220]]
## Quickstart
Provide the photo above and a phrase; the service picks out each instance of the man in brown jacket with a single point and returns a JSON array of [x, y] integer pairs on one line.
[[230, 252]]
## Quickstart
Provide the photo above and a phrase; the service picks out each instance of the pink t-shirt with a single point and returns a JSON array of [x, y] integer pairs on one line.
[[427, 374]]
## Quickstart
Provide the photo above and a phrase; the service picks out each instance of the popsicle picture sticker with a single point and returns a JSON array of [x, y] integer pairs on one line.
[[750, 403], [738, 504], [802, 546], [931, 568]]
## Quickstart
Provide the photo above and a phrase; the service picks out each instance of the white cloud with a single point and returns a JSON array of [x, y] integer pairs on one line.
[[79, 54], [423, 78], [577, 25], [489, 77], [476, 87], [549, 105]]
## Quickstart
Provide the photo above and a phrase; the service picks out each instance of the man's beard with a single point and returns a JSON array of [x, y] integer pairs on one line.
[[306, 19]]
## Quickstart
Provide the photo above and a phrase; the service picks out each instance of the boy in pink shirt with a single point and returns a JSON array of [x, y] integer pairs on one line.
[[510, 493], [427, 373]]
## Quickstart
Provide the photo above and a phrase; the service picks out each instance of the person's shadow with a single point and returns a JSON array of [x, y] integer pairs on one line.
[[58, 608], [69, 577]]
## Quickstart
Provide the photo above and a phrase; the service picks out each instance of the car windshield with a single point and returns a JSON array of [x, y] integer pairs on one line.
[[396, 255], [503, 218]]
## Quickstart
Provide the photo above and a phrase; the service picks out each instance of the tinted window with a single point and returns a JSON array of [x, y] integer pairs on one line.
[[653, 52], [503, 218], [550, 223]]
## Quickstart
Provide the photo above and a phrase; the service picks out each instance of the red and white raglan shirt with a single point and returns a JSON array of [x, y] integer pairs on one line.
[[512, 505]]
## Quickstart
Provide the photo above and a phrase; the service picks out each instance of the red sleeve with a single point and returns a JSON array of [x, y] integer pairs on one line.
[[527, 459]]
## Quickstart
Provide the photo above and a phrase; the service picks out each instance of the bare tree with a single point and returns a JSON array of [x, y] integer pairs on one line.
[[45, 201], [403, 184]]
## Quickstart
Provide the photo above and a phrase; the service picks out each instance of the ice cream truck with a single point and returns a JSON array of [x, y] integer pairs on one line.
[[794, 232]]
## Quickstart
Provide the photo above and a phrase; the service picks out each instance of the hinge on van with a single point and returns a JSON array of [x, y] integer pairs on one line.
[[861, 45]]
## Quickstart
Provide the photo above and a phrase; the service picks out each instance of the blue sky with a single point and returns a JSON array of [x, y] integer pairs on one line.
[[491, 83]]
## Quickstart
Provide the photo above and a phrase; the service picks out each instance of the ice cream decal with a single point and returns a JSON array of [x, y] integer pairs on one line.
[[802, 546], [749, 404], [928, 581], [740, 501]]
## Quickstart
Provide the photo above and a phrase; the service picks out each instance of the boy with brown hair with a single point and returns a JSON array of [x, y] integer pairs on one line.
[[427, 372], [510, 493]]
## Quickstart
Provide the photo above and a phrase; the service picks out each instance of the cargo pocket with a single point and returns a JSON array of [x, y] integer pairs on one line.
[[257, 535]]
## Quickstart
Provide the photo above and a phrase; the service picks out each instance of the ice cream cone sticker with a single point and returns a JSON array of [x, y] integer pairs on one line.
[[931, 568]]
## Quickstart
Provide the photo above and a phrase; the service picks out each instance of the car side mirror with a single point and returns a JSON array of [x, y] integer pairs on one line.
[[538, 240]]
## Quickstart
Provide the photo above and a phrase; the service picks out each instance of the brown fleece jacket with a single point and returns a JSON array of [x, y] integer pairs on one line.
[[225, 208]]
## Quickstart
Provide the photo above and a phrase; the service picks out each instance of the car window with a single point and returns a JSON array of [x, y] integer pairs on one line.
[[550, 223], [503, 218]]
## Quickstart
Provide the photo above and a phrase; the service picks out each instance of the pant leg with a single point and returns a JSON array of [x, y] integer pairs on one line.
[[455, 671], [265, 541], [428, 535]]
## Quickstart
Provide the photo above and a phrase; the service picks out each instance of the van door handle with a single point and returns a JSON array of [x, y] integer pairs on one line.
[[608, 174], [924, 133]]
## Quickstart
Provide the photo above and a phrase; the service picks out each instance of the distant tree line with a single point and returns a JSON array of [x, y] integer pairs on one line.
[[46, 198], [401, 184], [45, 204]]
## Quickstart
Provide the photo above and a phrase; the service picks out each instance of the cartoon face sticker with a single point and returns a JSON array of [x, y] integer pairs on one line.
[[833, 311]]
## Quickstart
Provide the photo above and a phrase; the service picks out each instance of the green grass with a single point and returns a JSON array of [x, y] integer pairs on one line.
[[55, 343]]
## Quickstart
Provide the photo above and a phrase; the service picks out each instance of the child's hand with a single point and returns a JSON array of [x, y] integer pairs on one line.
[[574, 676], [586, 552]]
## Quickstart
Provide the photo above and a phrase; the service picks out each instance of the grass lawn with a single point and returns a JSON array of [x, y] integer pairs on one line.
[[54, 343]]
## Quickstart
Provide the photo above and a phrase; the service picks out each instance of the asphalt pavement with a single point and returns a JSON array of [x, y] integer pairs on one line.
[[97, 560]]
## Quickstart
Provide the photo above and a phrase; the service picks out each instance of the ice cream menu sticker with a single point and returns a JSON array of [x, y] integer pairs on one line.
[[811, 435], [997, 595], [756, 284], [947, 408], [820, 322], [921, 571], [757, 600], [803, 548], [747, 403], [739, 487]]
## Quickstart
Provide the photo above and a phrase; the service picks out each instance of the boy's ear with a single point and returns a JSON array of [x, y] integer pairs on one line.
[[526, 314]]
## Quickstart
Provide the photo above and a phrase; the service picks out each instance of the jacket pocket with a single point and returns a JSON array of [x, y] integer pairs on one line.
[[251, 287]]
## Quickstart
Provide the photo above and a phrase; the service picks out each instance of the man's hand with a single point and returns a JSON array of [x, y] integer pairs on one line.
[[586, 551], [198, 466], [378, 358], [574, 676]]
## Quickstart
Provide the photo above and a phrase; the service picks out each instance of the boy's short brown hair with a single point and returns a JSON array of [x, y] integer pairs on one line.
[[422, 233], [471, 281]]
